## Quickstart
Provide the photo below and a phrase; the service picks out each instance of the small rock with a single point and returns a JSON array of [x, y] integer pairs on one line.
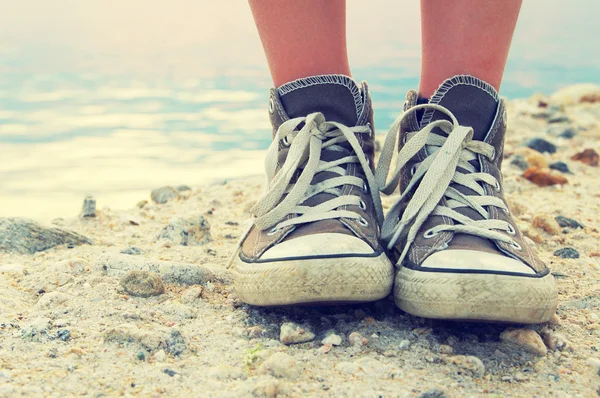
[[142, 284], [568, 133], [292, 333], [566, 222], [588, 156], [560, 166], [163, 194], [169, 372], [332, 339], [555, 341], [468, 362], [536, 160], [132, 251], [175, 344], [325, 348], [526, 339], [555, 320], [404, 344], [543, 178], [36, 329], [280, 365], [446, 349], [89, 207], [52, 299], [24, 236], [141, 203], [356, 339], [520, 377], [566, 252], [191, 295], [193, 231], [546, 223], [348, 367], [433, 393], [541, 145], [160, 356], [558, 119], [519, 162], [182, 188], [64, 334], [140, 356], [593, 362]]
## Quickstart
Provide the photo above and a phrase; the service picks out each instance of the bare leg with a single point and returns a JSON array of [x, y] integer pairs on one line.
[[465, 37], [302, 38]]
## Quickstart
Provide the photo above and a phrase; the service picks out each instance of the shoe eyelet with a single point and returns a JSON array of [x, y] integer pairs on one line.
[[516, 246], [364, 187], [497, 186], [271, 105], [493, 154], [413, 170], [363, 222], [286, 141], [362, 205], [273, 231], [511, 230], [430, 233]]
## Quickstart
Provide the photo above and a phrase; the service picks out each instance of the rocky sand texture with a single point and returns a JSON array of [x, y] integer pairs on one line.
[[138, 302]]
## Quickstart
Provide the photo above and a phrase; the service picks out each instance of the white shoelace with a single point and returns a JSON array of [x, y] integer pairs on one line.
[[284, 198], [447, 159]]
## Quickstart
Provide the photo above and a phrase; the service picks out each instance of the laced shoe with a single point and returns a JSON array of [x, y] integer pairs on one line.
[[458, 251], [315, 235]]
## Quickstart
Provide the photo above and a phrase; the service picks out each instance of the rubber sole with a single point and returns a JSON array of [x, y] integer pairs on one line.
[[314, 281], [475, 297]]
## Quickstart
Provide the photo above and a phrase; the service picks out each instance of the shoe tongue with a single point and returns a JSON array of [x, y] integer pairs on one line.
[[337, 97], [472, 101]]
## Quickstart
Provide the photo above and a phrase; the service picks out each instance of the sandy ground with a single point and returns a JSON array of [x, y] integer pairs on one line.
[[72, 322]]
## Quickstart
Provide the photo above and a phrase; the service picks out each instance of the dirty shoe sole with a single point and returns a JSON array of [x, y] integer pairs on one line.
[[476, 297], [333, 280]]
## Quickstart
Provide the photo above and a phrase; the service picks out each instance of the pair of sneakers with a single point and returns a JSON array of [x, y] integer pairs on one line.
[[448, 247]]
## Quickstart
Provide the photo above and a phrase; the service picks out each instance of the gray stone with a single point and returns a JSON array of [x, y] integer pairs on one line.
[[292, 333], [194, 231], [163, 194], [558, 118], [181, 188], [433, 393], [142, 284], [175, 344], [63, 334], [541, 145], [566, 252], [132, 251], [566, 222], [519, 161], [25, 236], [89, 207], [113, 264], [332, 339], [526, 339], [560, 166]]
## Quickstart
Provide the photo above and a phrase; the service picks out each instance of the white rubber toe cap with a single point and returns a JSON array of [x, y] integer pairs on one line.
[[318, 245], [475, 260]]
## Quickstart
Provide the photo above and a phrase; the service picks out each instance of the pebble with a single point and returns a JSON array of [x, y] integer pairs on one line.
[[182, 188], [160, 356], [468, 362], [24, 236], [546, 223], [555, 341], [588, 156], [163, 194], [292, 333], [191, 295], [89, 207], [140, 356], [175, 344], [566, 252], [132, 251], [446, 349], [356, 339], [559, 118], [433, 393], [52, 299], [280, 365], [404, 344], [536, 160], [568, 133], [64, 334], [142, 284], [526, 339], [541, 145], [193, 231], [568, 222], [593, 362], [519, 162], [169, 372], [332, 339], [543, 178], [560, 166]]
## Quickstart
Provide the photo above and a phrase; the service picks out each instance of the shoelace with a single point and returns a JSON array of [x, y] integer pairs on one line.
[[284, 198], [447, 162]]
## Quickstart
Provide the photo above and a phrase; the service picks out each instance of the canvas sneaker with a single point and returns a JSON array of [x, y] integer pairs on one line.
[[458, 251], [315, 233]]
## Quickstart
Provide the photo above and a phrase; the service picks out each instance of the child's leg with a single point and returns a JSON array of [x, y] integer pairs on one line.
[[302, 38], [465, 37]]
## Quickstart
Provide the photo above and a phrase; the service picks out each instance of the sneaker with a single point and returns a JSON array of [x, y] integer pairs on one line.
[[315, 235], [457, 248]]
